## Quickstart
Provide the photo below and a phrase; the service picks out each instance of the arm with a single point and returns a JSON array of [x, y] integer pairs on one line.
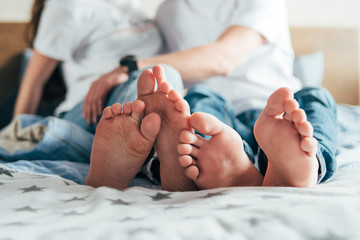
[[218, 58], [37, 73], [195, 64]]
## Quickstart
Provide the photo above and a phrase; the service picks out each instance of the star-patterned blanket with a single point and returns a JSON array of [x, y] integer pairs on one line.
[[36, 206], [47, 206]]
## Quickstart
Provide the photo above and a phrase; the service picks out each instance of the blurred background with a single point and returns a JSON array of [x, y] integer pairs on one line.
[[342, 15], [316, 13]]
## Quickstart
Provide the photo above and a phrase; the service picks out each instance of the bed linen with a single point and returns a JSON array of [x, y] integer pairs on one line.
[[38, 201], [48, 207]]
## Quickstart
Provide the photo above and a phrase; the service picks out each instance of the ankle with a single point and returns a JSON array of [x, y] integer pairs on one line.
[[249, 176]]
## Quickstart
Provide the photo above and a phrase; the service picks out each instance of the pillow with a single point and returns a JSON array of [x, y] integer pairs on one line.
[[309, 68]]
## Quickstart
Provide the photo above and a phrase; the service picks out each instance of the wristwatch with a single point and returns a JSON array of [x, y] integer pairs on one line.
[[129, 61]]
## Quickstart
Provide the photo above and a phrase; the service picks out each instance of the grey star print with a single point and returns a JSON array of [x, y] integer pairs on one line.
[[32, 189]]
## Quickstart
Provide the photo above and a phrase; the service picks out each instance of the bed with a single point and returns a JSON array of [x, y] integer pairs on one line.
[[38, 201]]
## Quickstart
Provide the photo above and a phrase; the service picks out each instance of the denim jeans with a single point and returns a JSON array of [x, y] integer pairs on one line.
[[320, 108], [61, 141], [203, 99], [126, 92]]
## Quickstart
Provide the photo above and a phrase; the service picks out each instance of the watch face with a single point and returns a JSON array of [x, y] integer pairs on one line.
[[129, 61]]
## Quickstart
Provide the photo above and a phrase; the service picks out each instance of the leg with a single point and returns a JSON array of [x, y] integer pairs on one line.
[[75, 116], [288, 142], [218, 162], [126, 92], [174, 114], [320, 108], [121, 144], [202, 99]]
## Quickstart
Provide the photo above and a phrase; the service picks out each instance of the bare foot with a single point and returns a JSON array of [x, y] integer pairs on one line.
[[287, 141], [174, 112], [121, 144], [218, 162]]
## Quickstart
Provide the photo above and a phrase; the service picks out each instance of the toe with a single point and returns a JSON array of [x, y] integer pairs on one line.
[[150, 126], [276, 102], [206, 124], [309, 145], [127, 108], [189, 137], [182, 106], [138, 107], [298, 116], [305, 129], [186, 161], [187, 149], [192, 172], [146, 83], [159, 73], [174, 96], [165, 87], [116, 108], [107, 113], [290, 106]]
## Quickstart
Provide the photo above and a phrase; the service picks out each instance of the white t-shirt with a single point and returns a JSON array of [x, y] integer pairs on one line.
[[190, 23], [90, 36]]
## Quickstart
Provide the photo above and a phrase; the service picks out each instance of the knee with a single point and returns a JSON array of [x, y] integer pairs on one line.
[[171, 72], [200, 93], [318, 94]]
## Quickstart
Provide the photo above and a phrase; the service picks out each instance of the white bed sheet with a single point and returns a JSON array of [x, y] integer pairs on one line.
[[48, 207], [39, 206]]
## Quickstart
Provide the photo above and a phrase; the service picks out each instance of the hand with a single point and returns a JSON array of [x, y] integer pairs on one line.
[[95, 98]]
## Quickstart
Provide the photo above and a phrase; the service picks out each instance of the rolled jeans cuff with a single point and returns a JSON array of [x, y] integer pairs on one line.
[[151, 168], [322, 166]]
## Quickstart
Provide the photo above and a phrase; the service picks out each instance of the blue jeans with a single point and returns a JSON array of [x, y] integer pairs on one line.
[[203, 99], [126, 92], [318, 104]]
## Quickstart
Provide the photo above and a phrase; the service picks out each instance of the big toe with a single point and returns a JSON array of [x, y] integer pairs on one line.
[[276, 102], [146, 83], [150, 126], [206, 124]]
